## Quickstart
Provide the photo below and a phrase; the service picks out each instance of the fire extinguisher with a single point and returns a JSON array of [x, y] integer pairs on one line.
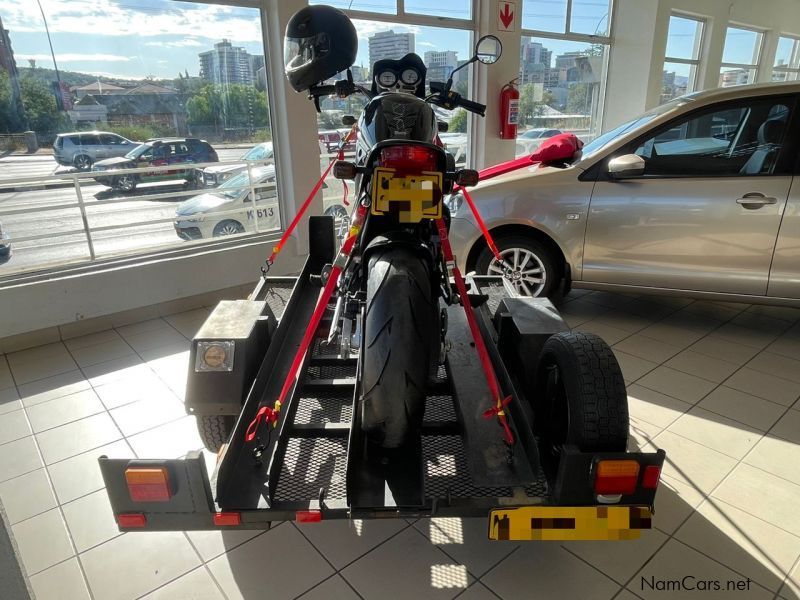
[[509, 110]]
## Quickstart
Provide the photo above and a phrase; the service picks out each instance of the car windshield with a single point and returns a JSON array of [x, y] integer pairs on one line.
[[606, 138], [233, 187], [138, 151], [260, 152]]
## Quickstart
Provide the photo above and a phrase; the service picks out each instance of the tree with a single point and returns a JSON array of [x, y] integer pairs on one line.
[[458, 124], [232, 106], [8, 116], [579, 99], [40, 107], [529, 107]]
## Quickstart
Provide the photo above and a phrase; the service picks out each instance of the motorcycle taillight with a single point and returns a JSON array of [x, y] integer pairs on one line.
[[409, 158]]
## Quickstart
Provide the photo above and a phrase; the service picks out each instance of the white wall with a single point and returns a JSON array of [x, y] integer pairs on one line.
[[639, 41]]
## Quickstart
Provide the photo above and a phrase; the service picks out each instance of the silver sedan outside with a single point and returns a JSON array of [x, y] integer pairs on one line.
[[699, 197]]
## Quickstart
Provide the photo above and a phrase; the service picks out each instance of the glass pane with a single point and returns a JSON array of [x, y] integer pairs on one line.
[[388, 7], [455, 9], [788, 54], [679, 79], [560, 86], [684, 38], [742, 46], [545, 15], [729, 76], [589, 17], [157, 70], [441, 49], [781, 75], [733, 141]]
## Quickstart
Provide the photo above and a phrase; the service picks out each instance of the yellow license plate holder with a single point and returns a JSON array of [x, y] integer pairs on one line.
[[411, 198], [565, 523]]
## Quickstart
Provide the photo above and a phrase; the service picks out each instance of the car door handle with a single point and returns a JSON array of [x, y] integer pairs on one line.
[[756, 200]]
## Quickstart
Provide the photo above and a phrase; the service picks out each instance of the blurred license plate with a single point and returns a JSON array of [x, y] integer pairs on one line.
[[568, 523], [410, 197]]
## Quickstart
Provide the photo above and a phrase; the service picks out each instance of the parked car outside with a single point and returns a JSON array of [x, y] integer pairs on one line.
[[216, 174], [698, 197], [228, 209], [81, 149], [5, 244], [538, 133], [181, 152]]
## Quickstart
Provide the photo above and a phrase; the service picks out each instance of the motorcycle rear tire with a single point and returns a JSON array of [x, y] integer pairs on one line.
[[400, 318]]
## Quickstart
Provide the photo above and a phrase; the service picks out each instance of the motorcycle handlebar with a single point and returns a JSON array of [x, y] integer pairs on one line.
[[471, 106]]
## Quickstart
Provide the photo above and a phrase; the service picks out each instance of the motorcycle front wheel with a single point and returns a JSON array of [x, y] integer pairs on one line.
[[400, 318]]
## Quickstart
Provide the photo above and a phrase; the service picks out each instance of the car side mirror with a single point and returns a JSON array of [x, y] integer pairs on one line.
[[443, 126], [348, 120], [625, 166]]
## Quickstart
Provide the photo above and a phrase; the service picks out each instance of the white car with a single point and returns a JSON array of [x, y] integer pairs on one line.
[[229, 209], [215, 175]]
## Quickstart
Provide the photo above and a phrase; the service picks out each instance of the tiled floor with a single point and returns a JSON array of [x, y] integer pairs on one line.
[[715, 385]]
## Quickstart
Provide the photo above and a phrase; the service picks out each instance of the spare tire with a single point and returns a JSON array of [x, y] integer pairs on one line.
[[580, 395]]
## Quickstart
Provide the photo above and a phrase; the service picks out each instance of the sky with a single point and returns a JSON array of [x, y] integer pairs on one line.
[[134, 39]]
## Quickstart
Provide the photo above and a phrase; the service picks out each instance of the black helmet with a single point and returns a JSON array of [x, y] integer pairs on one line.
[[320, 42]]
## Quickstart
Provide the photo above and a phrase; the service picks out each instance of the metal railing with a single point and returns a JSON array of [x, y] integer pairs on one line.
[[17, 207]]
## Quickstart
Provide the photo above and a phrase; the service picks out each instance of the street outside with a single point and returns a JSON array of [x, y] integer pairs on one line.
[[62, 247]]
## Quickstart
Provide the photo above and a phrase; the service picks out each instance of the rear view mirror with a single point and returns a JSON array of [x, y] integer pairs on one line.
[[625, 166], [488, 49]]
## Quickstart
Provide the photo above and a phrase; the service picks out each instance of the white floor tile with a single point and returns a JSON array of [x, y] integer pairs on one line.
[[549, 570], [715, 431], [100, 353], [342, 541], [195, 585], [80, 475], [654, 407], [693, 464], [747, 409], [241, 572], [53, 413], [50, 388], [64, 581], [677, 384], [703, 366], [27, 495], [78, 437], [777, 456], [90, 520], [675, 502], [146, 414], [210, 544], [13, 426], [42, 541], [41, 362], [148, 561], [647, 348], [9, 400], [19, 457], [427, 572], [334, 588], [774, 389]]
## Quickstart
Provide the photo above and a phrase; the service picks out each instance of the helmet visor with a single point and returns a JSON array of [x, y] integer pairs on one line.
[[299, 52]]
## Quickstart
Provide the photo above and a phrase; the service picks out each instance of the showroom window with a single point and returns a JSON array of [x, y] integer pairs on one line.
[[740, 56], [787, 60], [442, 49], [562, 76], [682, 58], [178, 92], [742, 138]]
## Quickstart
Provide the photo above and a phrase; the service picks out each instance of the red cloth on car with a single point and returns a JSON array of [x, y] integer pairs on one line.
[[559, 147]]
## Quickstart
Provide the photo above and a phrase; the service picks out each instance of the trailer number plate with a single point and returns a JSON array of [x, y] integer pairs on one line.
[[568, 522], [411, 197]]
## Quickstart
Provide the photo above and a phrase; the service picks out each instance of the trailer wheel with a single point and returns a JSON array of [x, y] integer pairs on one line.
[[214, 430], [580, 395], [400, 318]]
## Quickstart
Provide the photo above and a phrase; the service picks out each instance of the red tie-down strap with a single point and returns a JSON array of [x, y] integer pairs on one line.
[[556, 148], [289, 230], [271, 415], [499, 403]]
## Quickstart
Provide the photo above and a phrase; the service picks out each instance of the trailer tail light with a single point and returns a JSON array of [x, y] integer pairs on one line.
[[131, 520], [308, 516], [616, 477], [148, 484], [409, 158], [227, 519], [651, 476]]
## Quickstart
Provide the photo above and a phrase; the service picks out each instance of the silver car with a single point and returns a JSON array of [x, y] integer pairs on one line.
[[82, 149], [698, 197]]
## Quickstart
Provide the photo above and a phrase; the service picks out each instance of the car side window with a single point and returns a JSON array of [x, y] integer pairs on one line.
[[110, 140], [735, 140]]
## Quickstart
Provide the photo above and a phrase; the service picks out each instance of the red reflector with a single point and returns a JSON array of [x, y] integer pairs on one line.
[[651, 477], [132, 520], [147, 484], [227, 519], [409, 158], [616, 477], [308, 516]]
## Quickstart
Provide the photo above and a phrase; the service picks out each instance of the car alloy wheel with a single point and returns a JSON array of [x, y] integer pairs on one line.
[[126, 183], [82, 162], [523, 269], [228, 228]]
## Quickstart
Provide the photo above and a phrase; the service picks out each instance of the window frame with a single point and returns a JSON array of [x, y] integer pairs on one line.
[[568, 34], [698, 46], [758, 52], [794, 67], [785, 166]]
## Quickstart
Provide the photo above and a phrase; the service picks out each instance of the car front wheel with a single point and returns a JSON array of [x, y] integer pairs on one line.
[[82, 162], [228, 227], [528, 265], [126, 183]]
